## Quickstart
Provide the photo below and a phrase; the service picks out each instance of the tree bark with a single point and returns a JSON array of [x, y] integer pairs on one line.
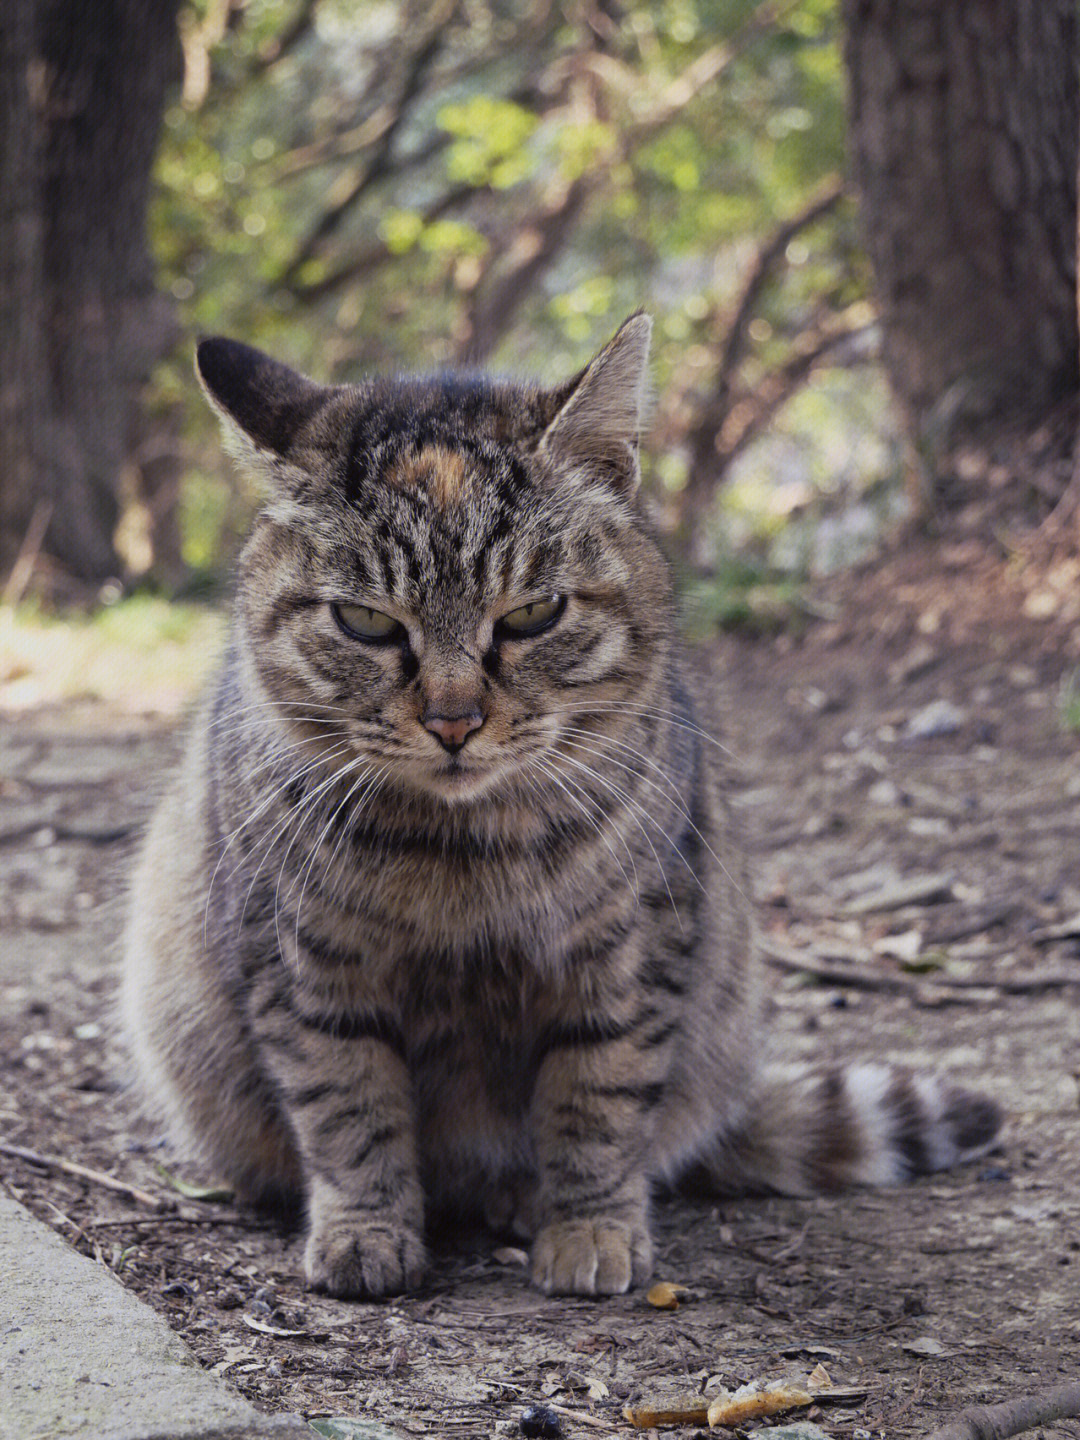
[[84, 87], [964, 136], [22, 354]]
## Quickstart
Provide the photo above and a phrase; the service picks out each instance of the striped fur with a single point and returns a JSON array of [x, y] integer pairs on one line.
[[516, 975]]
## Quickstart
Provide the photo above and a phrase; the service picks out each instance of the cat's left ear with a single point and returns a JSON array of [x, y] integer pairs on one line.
[[600, 419]]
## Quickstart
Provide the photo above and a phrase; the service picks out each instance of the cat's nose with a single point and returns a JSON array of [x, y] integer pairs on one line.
[[452, 731]]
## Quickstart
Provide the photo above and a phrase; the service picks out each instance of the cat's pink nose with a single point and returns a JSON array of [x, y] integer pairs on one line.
[[452, 731]]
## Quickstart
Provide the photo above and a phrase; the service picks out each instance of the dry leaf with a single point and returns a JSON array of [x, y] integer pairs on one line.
[[753, 1401], [671, 1410], [665, 1295], [509, 1255], [925, 1345], [278, 1331]]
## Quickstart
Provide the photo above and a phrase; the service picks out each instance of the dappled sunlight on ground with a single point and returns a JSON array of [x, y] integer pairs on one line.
[[142, 655]]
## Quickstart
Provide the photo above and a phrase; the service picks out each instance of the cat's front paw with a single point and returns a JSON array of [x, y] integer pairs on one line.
[[591, 1257], [364, 1261]]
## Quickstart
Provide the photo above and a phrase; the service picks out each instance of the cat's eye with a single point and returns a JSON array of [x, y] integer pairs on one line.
[[532, 618], [361, 622]]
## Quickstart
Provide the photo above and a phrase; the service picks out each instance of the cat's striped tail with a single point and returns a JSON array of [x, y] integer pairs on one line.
[[811, 1133]]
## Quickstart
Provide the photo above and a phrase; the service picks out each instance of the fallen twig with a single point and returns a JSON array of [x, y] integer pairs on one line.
[[168, 1219], [872, 977], [1012, 1417], [29, 550], [83, 1172], [581, 1417]]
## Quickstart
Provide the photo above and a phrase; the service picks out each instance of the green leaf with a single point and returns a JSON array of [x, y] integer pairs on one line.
[[210, 1194]]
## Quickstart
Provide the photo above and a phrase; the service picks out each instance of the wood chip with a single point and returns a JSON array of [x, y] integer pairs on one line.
[[665, 1295], [509, 1255], [671, 1410], [756, 1400]]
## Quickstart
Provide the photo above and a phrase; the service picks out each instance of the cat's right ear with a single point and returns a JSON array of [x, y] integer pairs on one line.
[[262, 404]]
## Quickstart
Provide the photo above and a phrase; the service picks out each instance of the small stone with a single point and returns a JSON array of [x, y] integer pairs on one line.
[[993, 1173], [885, 792], [904, 947], [940, 717], [540, 1421], [800, 1430], [1041, 604]]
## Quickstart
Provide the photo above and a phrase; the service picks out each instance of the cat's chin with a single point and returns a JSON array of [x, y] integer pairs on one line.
[[456, 783]]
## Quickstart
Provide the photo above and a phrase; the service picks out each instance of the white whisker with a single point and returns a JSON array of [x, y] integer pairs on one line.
[[249, 819], [563, 782], [637, 811]]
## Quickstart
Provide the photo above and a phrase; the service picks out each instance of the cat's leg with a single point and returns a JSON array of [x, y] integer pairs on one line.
[[341, 1073], [596, 1096]]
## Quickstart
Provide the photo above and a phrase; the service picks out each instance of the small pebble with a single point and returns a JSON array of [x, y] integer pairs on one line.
[[940, 717], [540, 1421], [994, 1172]]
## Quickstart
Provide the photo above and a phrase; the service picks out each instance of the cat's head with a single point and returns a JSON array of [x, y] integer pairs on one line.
[[452, 574]]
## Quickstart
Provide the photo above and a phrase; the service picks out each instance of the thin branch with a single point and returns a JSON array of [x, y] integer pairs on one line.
[[870, 977], [29, 550], [767, 258], [747, 418], [83, 1172], [281, 45], [530, 253], [1012, 1417], [380, 254], [352, 188], [701, 72]]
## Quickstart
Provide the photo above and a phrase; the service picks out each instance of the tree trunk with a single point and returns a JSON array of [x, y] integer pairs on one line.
[[23, 384], [964, 134], [84, 86]]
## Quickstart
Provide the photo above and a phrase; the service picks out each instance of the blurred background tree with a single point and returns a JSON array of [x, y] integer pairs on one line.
[[487, 182], [82, 90]]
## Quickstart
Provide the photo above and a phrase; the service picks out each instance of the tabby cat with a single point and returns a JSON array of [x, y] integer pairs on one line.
[[444, 911]]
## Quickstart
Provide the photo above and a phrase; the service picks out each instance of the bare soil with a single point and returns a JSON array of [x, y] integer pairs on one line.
[[963, 1287]]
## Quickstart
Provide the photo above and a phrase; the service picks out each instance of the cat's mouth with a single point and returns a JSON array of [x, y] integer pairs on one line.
[[455, 778]]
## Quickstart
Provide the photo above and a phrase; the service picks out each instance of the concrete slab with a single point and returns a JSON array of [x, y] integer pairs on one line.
[[82, 1359]]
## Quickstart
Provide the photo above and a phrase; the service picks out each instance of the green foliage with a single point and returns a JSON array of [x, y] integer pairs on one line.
[[741, 595], [405, 186], [1069, 703]]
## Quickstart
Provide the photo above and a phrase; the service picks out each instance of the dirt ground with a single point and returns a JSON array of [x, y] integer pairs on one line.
[[923, 861]]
